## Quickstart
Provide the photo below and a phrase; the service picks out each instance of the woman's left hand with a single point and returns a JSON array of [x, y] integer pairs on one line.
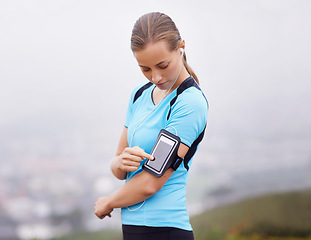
[[102, 208]]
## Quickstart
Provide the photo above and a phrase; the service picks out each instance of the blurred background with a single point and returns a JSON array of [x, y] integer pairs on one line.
[[67, 72]]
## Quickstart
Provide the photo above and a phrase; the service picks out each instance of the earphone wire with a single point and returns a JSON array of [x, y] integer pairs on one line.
[[166, 93], [130, 144]]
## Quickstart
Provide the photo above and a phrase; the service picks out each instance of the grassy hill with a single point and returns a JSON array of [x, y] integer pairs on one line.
[[280, 215], [283, 216]]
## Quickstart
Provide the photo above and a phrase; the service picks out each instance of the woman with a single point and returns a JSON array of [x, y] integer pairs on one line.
[[155, 207]]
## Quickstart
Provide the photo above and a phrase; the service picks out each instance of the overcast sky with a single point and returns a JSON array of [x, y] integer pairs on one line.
[[64, 59]]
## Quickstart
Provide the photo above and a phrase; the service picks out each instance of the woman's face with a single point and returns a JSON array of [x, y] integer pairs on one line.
[[159, 64]]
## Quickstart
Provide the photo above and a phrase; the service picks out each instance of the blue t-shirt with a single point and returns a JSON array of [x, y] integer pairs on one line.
[[184, 116]]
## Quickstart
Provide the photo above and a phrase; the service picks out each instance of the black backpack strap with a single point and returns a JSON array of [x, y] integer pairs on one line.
[[141, 90]]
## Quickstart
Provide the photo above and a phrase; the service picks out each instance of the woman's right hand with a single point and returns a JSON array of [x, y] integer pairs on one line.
[[129, 160]]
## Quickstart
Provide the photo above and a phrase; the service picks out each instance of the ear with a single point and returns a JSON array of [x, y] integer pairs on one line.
[[182, 44]]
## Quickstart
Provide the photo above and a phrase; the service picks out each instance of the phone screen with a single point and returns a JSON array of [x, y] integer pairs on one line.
[[161, 153]]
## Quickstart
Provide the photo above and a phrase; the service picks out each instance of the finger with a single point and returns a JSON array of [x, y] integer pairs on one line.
[[133, 157], [148, 156], [141, 153], [100, 216], [97, 215], [130, 163], [129, 168]]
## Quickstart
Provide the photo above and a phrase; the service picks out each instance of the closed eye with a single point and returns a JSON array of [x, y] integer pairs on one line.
[[145, 69], [163, 67]]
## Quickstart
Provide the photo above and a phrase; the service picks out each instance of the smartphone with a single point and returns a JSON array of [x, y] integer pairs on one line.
[[164, 152]]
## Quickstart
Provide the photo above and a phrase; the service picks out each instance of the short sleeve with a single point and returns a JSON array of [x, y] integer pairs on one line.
[[131, 106], [188, 116]]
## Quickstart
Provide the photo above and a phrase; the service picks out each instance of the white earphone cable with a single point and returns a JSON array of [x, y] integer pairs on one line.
[[139, 124]]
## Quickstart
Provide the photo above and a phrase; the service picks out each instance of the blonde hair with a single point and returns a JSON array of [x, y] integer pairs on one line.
[[156, 26]]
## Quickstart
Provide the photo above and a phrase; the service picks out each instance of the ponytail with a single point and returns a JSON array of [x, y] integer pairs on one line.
[[189, 69]]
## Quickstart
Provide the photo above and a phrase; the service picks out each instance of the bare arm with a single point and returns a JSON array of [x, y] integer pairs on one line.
[[115, 166], [138, 189], [127, 159]]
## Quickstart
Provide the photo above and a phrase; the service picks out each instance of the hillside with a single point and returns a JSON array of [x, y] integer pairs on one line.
[[278, 215], [282, 216]]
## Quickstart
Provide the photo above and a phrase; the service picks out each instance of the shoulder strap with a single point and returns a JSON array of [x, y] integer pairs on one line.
[[141, 90]]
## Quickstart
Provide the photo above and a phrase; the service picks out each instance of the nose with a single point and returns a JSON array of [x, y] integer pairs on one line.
[[156, 77]]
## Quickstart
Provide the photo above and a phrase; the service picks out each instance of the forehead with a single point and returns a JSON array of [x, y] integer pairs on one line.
[[153, 53]]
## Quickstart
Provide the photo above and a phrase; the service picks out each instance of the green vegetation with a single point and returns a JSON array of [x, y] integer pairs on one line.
[[272, 217], [283, 216]]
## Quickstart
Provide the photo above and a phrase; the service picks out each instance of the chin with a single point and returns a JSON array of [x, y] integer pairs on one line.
[[165, 86]]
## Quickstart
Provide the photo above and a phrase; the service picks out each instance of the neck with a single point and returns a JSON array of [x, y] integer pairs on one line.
[[159, 95], [182, 77]]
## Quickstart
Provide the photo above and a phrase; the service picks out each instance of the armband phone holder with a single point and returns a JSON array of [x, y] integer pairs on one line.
[[165, 154]]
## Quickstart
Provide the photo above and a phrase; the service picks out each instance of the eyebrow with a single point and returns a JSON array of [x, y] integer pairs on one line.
[[156, 64]]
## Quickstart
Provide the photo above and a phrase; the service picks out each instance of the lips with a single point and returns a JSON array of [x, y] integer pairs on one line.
[[159, 85]]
